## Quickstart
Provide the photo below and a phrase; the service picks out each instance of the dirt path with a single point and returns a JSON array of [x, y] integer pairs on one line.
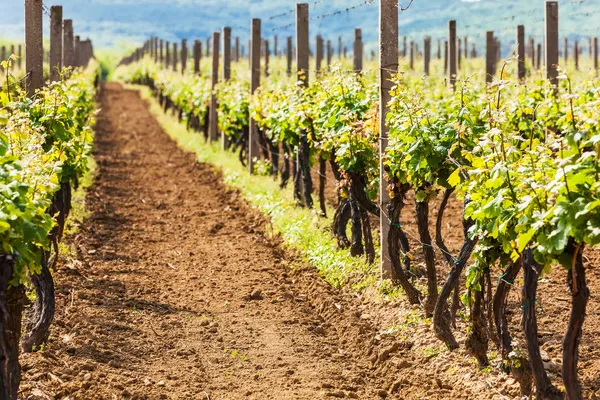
[[178, 295]]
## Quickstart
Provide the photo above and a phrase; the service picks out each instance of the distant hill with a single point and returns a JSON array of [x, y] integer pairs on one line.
[[117, 22]]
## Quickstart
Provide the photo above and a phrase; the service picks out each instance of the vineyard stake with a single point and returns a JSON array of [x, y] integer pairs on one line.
[[319, 55], [34, 46], [3, 56], [68, 56], [358, 51], [237, 49], [226, 53], [388, 67], [12, 51], [266, 50], [213, 117], [184, 56], [566, 51], [551, 38], [576, 55], [411, 58], [175, 56], [340, 49], [253, 142], [161, 46], [289, 56], [427, 54], [452, 52], [275, 44], [168, 57], [521, 52], [56, 36], [596, 54], [538, 61], [197, 56], [532, 48], [466, 47], [489, 56], [459, 54], [329, 55], [445, 57]]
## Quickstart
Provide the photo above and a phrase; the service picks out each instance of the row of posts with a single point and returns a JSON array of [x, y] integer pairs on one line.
[[389, 54], [66, 50]]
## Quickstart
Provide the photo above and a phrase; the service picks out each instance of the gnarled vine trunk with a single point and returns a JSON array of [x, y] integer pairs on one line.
[[477, 338], [580, 294], [441, 317], [322, 182], [519, 365], [394, 210], [543, 386], [429, 255], [12, 300]]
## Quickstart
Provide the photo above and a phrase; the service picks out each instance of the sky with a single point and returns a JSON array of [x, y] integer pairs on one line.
[[111, 23]]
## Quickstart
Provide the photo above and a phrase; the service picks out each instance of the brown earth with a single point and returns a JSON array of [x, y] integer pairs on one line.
[[176, 292]]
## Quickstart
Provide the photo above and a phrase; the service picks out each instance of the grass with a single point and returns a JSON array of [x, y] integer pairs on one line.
[[301, 229]]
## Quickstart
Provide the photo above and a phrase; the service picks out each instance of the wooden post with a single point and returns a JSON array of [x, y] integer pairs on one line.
[[538, 61], [404, 47], [226, 53], [302, 64], [490, 56], [34, 46], [175, 57], [253, 142], [329, 55], [345, 52], [161, 49], [56, 38], [237, 49], [68, 54], [445, 57], [340, 49], [197, 56], [168, 57], [319, 53], [412, 55], [266, 50], [521, 52], [288, 50], [532, 49], [3, 57], [358, 51], [459, 54], [452, 52], [156, 50], [302, 43], [427, 53], [184, 56], [388, 67], [595, 54], [576, 54], [566, 51], [20, 54], [466, 47], [439, 50], [275, 46], [213, 117], [208, 46], [551, 37]]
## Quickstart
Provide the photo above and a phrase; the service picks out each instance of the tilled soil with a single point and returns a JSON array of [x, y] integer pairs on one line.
[[176, 293]]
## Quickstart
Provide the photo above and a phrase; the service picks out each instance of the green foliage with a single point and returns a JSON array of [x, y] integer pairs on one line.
[[44, 141]]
